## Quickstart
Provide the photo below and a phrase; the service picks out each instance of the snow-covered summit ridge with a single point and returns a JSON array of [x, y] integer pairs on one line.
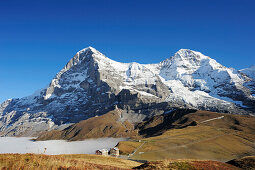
[[186, 63], [187, 53], [188, 58], [194, 78], [80, 58], [193, 69], [90, 83], [81, 55]]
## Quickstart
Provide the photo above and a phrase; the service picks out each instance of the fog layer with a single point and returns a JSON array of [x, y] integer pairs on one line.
[[54, 147]]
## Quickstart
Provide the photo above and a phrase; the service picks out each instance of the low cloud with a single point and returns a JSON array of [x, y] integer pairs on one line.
[[54, 147]]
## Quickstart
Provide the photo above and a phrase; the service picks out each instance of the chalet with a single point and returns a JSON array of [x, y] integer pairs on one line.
[[103, 152], [114, 151]]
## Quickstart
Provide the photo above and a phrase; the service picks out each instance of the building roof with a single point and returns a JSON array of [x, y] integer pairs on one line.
[[115, 148], [103, 150]]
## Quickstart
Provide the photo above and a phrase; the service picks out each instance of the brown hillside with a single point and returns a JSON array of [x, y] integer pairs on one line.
[[157, 125], [107, 125], [182, 134], [229, 137], [247, 162], [63, 162], [187, 164]]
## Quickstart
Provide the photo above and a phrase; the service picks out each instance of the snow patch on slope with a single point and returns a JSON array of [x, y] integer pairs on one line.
[[250, 72]]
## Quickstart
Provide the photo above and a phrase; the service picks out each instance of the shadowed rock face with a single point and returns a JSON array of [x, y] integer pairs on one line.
[[92, 84]]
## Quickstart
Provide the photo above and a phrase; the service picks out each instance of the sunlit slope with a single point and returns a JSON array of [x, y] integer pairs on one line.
[[224, 138], [32, 161], [108, 125], [186, 164]]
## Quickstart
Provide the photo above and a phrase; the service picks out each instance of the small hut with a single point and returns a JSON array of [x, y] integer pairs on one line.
[[103, 152], [114, 151]]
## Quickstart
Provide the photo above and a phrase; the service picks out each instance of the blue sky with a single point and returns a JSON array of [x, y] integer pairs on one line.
[[37, 38]]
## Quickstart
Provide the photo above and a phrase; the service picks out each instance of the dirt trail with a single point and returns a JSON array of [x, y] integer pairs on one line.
[[136, 149], [221, 117]]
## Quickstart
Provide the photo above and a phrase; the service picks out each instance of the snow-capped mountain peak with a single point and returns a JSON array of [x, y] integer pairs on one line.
[[83, 54], [91, 84], [187, 53], [89, 51]]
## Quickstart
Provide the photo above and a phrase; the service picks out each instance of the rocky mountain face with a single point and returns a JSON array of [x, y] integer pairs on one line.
[[92, 84], [250, 72]]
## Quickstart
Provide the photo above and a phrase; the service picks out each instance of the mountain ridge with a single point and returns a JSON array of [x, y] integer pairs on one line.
[[92, 84]]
